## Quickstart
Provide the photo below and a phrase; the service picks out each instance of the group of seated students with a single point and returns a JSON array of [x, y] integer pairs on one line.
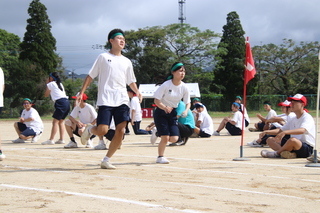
[[290, 134]]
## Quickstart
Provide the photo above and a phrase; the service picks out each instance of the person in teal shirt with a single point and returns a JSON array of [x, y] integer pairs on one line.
[[185, 124]]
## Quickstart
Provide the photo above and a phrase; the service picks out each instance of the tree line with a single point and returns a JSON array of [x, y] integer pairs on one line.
[[213, 60]]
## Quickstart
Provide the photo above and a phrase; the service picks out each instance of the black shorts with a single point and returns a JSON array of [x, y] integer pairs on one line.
[[120, 114], [185, 130], [62, 109], [233, 130], [305, 150], [167, 124]]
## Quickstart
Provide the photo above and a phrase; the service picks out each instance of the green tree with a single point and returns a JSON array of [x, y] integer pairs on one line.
[[288, 68], [37, 57], [154, 49], [9, 51], [229, 69]]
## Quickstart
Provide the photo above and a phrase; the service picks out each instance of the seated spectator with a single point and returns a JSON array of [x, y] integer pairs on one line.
[[296, 138], [260, 125], [185, 124], [234, 125], [273, 123], [204, 125], [194, 111], [30, 124], [87, 116], [136, 114], [244, 110]]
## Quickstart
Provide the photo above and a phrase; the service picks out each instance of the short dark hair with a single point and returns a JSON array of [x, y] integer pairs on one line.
[[267, 102], [114, 31]]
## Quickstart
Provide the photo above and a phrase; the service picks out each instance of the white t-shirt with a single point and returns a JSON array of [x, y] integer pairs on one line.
[[284, 118], [237, 117], [36, 124], [170, 94], [55, 92], [206, 124], [135, 105], [115, 73], [246, 116], [305, 121], [271, 114], [86, 115], [1, 87]]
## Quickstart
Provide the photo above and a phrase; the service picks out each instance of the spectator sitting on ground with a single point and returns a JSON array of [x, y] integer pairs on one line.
[[30, 124], [243, 109], [87, 115], [234, 125], [261, 124], [204, 125], [195, 112], [136, 114], [273, 123], [296, 138]]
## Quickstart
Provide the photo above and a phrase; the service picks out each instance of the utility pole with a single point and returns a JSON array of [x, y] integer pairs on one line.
[[182, 17]]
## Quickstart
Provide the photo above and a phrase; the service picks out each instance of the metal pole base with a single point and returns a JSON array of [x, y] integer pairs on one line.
[[313, 165], [241, 159]]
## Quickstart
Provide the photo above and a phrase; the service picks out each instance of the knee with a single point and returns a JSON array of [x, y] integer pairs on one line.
[[270, 140], [68, 122]]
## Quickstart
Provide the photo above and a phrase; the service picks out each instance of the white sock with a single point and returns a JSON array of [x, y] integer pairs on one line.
[[101, 141], [106, 158]]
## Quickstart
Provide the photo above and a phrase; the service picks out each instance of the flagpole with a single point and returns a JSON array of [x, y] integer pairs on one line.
[[241, 158], [315, 157]]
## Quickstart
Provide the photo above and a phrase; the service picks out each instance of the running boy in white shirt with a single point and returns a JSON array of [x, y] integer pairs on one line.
[[115, 72]]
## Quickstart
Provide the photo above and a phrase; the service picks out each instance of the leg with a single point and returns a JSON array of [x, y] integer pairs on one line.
[[54, 129], [17, 128], [273, 144], [70, 127], [117, 139], [61, 129], [222, 124], [290, 145], [162, 144]]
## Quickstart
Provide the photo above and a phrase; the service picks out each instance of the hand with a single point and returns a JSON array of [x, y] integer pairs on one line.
[[261, 135], [21, 120], [168, 109], [140, 97]]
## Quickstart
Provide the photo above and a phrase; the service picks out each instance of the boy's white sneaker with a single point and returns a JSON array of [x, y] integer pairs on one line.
[[48, 142], [86, 135], [162, 160]]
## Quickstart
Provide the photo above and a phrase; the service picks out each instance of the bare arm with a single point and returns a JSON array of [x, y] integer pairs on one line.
[[134, 87], [85, 85]]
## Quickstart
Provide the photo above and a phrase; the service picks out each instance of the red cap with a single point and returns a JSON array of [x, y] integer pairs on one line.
[[298, 97], [286, 103], [84, 97]]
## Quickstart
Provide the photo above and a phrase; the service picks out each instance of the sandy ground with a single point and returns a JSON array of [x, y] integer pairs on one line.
[[201, 177]]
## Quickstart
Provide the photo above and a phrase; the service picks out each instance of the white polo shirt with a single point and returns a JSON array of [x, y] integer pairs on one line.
[[86, 115]]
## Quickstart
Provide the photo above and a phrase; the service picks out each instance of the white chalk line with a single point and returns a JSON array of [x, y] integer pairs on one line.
[[174, 183], [99, 197]]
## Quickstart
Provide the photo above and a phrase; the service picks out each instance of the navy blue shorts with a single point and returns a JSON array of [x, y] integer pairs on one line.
[[202, 134], [304, 152], [232, 129], [261, 126], [167, 124], [62, 109], [120, 114], [26, 131]]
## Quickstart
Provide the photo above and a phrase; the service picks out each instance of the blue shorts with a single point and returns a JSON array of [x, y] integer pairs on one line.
[[233, 130], [62, 109], [202, 134], [26, 131], [305, 151], [167, 124], [120, 114], [261, 126]]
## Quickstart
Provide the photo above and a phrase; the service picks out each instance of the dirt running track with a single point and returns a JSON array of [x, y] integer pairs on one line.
[[201, 177]]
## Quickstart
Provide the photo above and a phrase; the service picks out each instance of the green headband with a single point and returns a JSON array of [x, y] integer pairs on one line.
[[176, 66], [27, 99], [116, 34]]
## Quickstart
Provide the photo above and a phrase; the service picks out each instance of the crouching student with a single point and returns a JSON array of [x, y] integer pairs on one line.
[[234, 125], [296, 138], [204, 125], [30, 124]]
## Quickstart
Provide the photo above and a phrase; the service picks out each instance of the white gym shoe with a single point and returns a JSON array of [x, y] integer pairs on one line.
[[107, 165], [48, 142], [86, 135], [254, 143], [216, 133], [71, 144], [36, 138], [162, 160], [59, 141], [153, 137], [269, 154], [100, 146], [89, 144], [311, 158], [18, 140], [2, 156]]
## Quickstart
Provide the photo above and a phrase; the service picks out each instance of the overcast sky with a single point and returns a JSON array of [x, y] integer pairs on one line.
[[79, 24]]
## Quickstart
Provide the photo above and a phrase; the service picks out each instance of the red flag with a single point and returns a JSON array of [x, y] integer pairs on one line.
[[250, 70]]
